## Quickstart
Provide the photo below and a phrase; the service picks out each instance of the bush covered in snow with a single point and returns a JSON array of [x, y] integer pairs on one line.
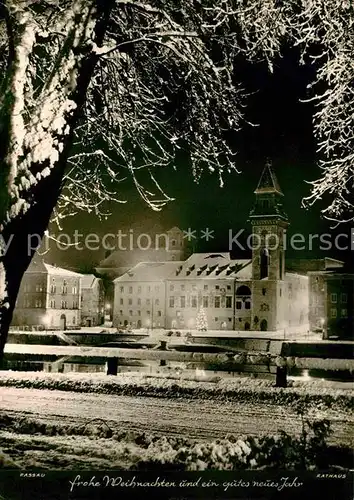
[[279, 451], [239, 389], [146, 451]]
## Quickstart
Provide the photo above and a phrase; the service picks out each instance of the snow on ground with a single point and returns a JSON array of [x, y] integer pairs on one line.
[[211, 383], [50, 428], [34, 419]]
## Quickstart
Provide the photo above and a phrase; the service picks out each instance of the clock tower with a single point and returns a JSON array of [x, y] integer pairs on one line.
[[269, 224]]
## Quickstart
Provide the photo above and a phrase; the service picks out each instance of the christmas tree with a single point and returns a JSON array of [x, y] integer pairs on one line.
[[201, 322]]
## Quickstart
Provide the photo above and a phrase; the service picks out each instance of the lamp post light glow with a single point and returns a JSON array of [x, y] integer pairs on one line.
[[46, 320]]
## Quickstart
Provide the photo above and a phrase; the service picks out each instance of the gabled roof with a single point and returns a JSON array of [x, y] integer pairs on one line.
[[60, 271], [268, 183], [39, 266]]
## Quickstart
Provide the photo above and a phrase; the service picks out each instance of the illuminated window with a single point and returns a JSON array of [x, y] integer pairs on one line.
[[344, 298], [333, 313], [333, 298]]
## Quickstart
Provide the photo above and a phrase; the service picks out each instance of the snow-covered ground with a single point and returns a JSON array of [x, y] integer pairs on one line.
[[43, 413]]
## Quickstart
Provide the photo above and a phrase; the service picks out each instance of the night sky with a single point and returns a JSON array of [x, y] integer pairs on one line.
[[284, 135]]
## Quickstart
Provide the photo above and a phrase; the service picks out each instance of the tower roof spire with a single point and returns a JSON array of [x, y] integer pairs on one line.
[[268, 183]]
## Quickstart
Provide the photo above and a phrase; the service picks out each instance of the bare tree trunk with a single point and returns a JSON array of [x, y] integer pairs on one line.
[[45, 194]]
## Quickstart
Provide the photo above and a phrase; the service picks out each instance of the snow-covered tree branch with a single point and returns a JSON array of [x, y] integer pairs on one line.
[[46, 51], [96, 91]]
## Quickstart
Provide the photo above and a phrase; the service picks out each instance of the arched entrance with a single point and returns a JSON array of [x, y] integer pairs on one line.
[[125, 322], [264, 325], [63, 322], [138, 325], [247, 325]]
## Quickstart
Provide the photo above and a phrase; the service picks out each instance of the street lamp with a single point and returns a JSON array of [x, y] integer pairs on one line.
[[46, 320]]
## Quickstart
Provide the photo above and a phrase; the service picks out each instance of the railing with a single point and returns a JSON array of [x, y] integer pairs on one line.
[[39, 328], [234, 361]]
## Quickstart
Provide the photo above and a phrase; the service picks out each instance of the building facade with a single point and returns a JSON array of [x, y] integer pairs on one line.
[[332, 303], [92, 300], [214, 283], [254, 294], [140, 295], [49, 298]]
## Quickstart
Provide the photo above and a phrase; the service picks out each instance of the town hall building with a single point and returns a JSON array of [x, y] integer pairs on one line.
[[242, 294]]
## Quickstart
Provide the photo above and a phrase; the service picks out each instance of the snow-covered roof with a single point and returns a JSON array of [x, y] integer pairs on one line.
[[88, 280], [197, 266], [150, 271], [39, 266], [60, 271], [216, 265]]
